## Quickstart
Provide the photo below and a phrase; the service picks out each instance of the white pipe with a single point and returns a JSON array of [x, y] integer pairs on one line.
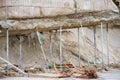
[[79, 46], [51, 49], [102, 45], [95, 55], [7, 47], [83, 36], [108, 50], [21, 62], [61, 61]]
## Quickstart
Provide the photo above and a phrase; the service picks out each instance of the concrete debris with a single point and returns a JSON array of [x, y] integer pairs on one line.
[[82, 72], [33, 70]]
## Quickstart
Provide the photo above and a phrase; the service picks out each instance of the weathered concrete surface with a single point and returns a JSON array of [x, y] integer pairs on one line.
[[24, 16], [51, 8]]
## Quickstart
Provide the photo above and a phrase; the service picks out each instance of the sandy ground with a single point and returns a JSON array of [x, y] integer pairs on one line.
[[111, 75]]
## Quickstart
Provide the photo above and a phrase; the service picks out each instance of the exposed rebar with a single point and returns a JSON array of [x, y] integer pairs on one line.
[[108, 50], [95, 55], [83, 37], [7, 49], [79, 46], [51, 50], [61, 60], [102, 45], [21, 54]]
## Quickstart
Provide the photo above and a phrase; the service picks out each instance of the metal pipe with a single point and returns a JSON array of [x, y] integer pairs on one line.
[[102, 45], [51, 48], [7, 45], [7, 49], [79, 46], [61, 61], [29, 41], [108, 50], [21, 55], [83, 36], [55, 39], [51, 52], [95, 55]]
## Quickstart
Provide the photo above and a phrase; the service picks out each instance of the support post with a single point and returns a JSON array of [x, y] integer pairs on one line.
[[108, 50], [95, 55], [21, 55], [102, 45], [79, 46], [61, 61], [7, 47], [29, 41], [51, 49], [83, 37]]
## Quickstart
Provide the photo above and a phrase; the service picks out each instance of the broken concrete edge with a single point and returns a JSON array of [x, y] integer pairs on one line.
[[19, 27], [82, 13]]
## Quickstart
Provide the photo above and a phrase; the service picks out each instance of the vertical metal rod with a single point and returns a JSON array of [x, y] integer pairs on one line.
[[51, 52], [21, 52], [29, 40], [61, 61], [55, 39], [7, 47], [51, 49], [102, 45], [79, 46], [108, 52], [95, 55], [83, 37]]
